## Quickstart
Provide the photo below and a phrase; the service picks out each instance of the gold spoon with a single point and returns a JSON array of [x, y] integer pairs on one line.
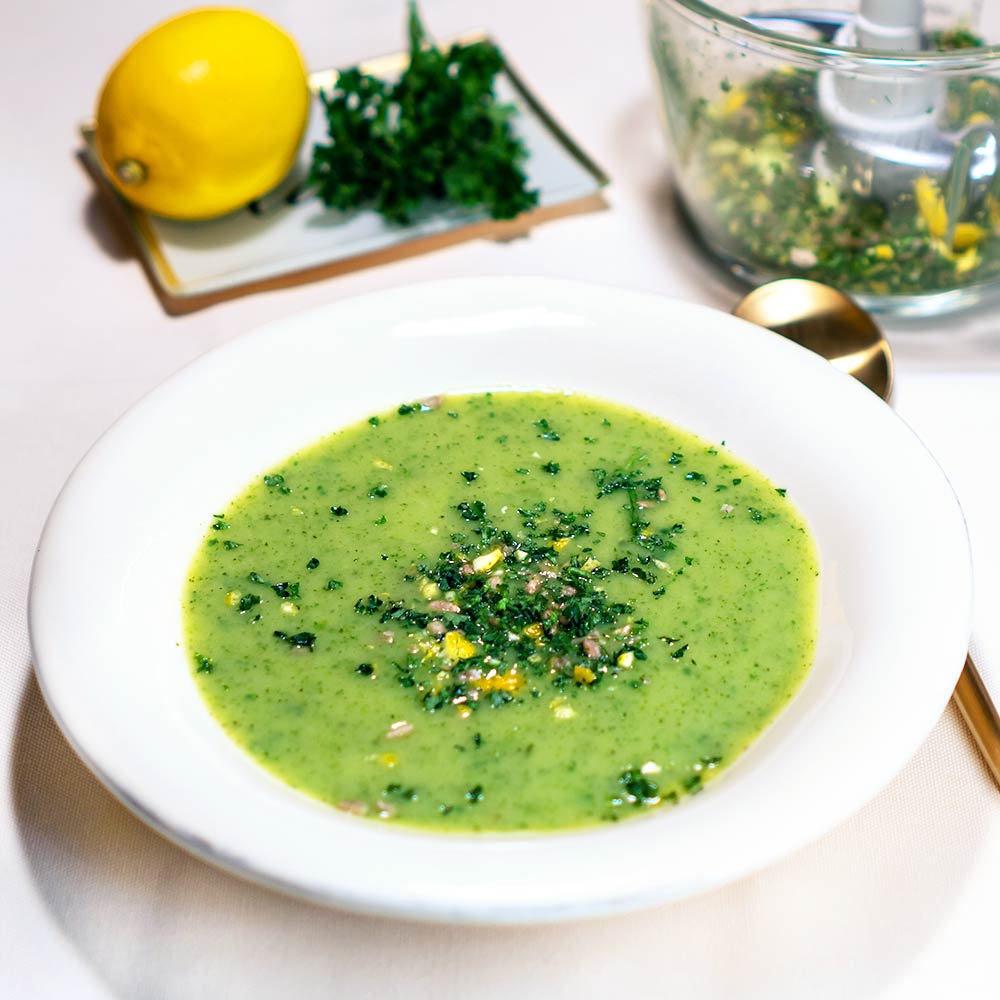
[[828, 322]]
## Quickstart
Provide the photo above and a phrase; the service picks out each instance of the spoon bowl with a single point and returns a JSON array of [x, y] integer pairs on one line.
[[827, 322]]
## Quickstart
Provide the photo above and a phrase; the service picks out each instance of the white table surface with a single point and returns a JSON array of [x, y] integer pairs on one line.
[[898, 902]]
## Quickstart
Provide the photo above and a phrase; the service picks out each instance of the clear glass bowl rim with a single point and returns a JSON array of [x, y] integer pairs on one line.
[[954, 61]]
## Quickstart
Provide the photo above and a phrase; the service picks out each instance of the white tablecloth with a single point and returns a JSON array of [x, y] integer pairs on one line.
[[899, 902]]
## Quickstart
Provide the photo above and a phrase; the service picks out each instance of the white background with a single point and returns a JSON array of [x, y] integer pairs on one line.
[[899, 902]]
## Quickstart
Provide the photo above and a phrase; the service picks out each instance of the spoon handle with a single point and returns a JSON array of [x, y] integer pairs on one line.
[[981, 716]]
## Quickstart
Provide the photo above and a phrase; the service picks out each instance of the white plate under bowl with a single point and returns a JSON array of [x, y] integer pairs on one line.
[[106, 614]]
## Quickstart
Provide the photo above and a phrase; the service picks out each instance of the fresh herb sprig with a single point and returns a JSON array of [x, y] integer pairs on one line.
[[437, 134], [638, 491]]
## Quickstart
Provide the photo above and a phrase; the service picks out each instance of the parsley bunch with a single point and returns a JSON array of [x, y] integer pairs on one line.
[[438, 133]]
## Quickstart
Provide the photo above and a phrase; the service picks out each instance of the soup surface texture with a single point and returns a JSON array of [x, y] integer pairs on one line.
[[504, 611]]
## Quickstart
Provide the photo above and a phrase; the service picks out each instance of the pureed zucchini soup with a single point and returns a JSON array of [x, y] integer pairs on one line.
[[505, 611]]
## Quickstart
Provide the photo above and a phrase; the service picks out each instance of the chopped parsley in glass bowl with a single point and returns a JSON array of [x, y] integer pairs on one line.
[[751, 159]]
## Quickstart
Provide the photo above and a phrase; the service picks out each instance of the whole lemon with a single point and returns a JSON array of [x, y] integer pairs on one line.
[[203, 114]]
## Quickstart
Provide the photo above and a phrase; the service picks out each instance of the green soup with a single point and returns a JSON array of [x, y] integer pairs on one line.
[[508, 611]]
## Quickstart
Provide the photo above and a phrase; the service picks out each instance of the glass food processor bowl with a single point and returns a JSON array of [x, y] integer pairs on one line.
[[857, 144]]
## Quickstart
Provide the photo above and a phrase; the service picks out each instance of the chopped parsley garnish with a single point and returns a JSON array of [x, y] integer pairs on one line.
[[552, 468], [247, 601], [286, 591], [313, 563], [475, 794], [338, 511], [547, 432], [907, 239], [203, 663], [378, 492], [397, 612], [470, 477], [333, 585], [692, 783], [227, 544], [956, 38], [627, 482], [639, 492], [509, 624], [475, 511], [365, 669], [303, 640], [400, 792], [374, 421], [277, 482], [638, 789]]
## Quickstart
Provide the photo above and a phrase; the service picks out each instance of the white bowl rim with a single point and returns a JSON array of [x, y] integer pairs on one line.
[[516, 902]]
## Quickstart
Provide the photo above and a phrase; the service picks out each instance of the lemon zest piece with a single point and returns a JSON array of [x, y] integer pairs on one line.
[[457, 647], [930, 203]]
